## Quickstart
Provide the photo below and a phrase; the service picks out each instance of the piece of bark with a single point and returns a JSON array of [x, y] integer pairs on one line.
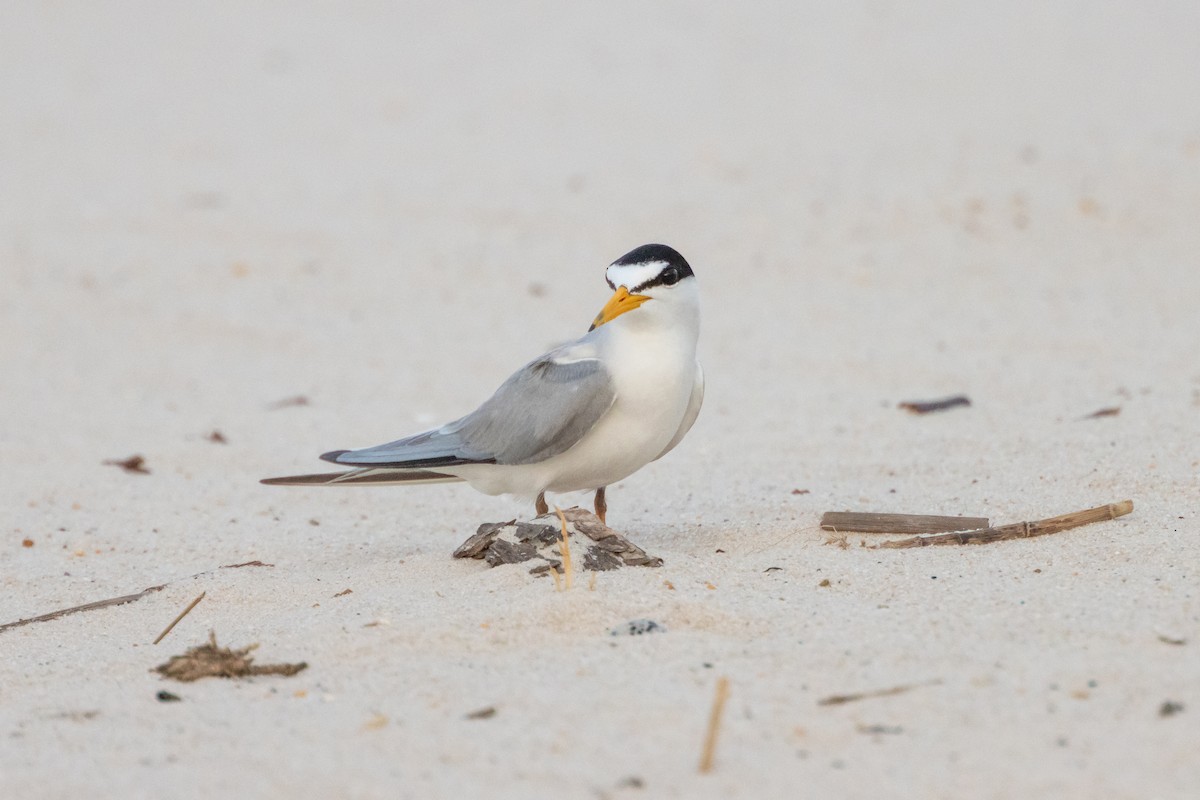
[[502, 551], [928, 406], [866, 522], [1017, 530], [475, 546], [135, 464], [541, 540]]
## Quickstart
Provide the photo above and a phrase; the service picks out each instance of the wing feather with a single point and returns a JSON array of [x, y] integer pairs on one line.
[[540, 411], [374, 477]]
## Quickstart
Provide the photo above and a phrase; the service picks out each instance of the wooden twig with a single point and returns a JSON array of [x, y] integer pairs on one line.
[[714, 725], [287, 402], [839, 699], [928, 406], [112, 601], [1017, 530], [865, 522], [182, 614]]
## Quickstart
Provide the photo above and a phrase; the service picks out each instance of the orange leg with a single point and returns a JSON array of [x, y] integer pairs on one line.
[[601, 506], [540, 505]]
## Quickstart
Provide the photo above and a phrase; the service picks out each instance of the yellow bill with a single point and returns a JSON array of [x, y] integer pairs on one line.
[[618, 304]]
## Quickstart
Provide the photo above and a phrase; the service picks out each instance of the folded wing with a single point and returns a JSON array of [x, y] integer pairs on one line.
[[541, 411]]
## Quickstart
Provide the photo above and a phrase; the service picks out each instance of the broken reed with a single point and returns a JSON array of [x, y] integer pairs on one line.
[[565, 547], [714, 725]]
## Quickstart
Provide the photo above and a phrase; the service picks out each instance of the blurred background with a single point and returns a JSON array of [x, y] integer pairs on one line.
[[387, 207]]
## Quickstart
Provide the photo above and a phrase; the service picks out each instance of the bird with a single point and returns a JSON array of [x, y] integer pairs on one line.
[[580, 417]]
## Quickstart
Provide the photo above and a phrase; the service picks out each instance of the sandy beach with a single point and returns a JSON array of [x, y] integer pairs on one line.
[[306, 227]]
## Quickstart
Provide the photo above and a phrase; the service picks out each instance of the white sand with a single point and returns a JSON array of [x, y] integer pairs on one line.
[[206, 210]]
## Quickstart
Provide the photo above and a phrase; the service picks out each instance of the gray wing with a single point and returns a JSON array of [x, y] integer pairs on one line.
[[689, 416], [542, 410]]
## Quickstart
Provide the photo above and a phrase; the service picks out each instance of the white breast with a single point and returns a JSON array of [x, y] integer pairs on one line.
[[654, 372], [650, 353]]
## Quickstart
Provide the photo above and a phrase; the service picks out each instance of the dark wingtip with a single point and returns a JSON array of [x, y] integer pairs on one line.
[[333, 455], [274, 481]]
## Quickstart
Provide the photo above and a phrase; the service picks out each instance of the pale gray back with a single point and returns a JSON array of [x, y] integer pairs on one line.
[[539, 412]]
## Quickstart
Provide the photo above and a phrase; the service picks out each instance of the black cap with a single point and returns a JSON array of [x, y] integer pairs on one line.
[[656, 252]]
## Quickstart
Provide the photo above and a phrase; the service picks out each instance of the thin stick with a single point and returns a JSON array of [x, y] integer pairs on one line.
[[714, 725], [1018, 530], [565, 547], [182, 614], [866, 522], [928, 406], [838, 699], [112, 601]]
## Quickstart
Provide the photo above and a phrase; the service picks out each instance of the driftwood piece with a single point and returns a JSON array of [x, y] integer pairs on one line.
[[865, 522], [515, 542], [1017, 530]]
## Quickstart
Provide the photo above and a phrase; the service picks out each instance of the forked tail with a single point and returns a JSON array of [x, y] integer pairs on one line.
[[370, 476]]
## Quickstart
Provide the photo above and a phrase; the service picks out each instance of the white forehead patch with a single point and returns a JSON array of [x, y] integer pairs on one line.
[[633, 275]]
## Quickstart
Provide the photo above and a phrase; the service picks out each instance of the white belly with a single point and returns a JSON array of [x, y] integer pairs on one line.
[[653, 390]]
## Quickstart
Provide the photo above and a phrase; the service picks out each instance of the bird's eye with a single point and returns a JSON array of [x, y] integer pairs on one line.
[[670, 277]]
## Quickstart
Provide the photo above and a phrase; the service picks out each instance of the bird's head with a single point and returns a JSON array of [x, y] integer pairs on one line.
[[652, 274]]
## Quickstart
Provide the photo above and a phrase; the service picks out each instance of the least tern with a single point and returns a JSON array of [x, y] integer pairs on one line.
[[578, 418]]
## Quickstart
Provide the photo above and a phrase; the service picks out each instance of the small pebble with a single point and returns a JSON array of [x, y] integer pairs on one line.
[[1170, 708]]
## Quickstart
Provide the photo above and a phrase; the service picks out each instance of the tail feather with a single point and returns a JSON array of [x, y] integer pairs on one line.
[[369, 476]]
